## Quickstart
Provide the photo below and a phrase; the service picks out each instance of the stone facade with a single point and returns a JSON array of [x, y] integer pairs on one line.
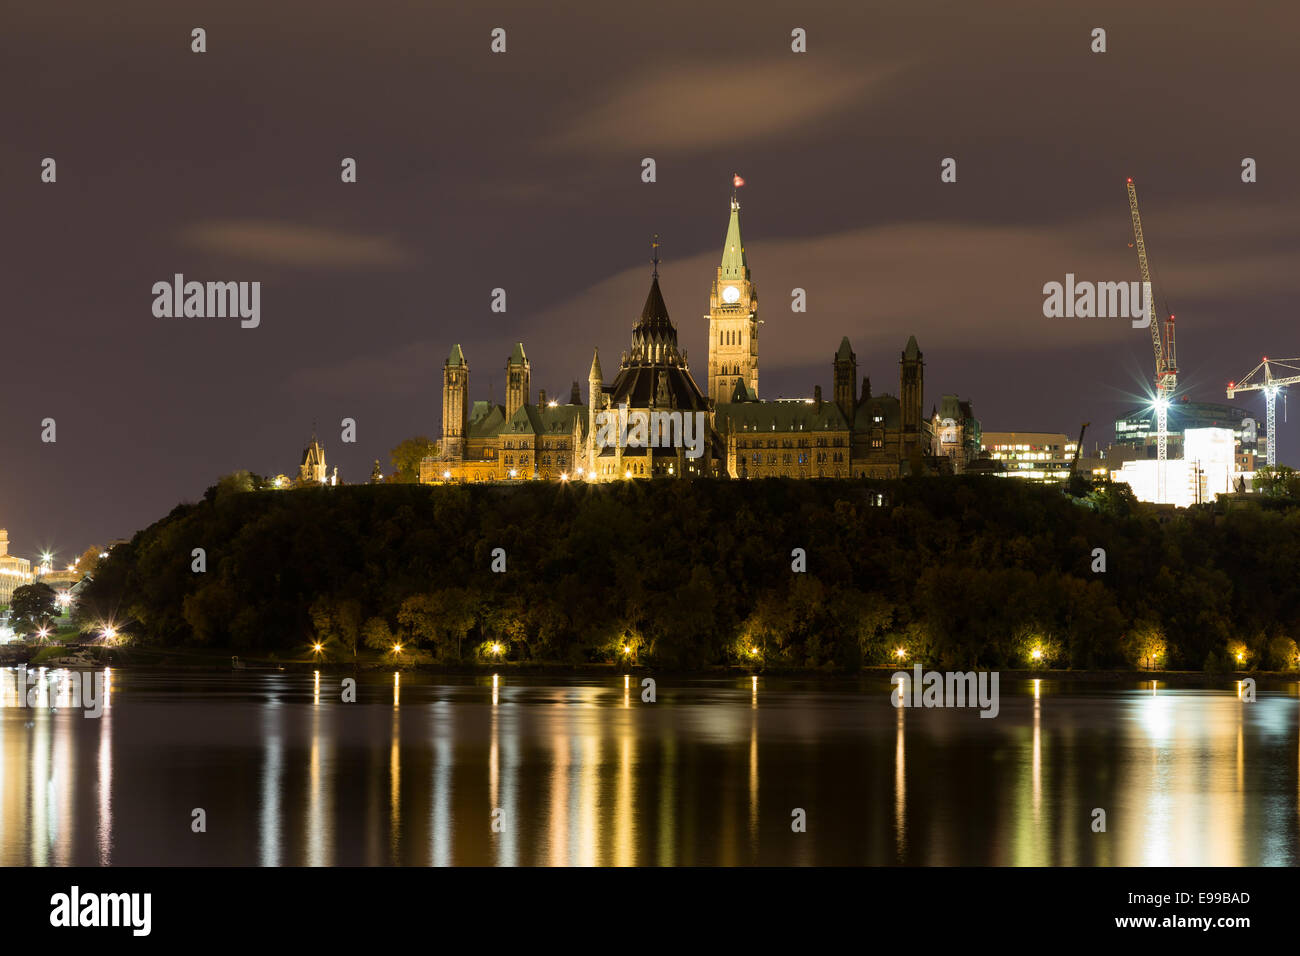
[[853, 434], [14, 571]]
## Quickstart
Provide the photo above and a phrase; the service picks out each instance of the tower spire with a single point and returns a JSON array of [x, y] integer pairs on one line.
[[654, 245]]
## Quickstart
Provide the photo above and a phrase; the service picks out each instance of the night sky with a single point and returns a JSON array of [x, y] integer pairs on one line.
[[523, 171]]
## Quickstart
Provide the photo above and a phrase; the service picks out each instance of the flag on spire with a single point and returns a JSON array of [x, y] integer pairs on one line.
[[736, 181]]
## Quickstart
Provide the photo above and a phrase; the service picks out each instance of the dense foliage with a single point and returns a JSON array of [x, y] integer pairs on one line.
[[33, 606], [954, 571]]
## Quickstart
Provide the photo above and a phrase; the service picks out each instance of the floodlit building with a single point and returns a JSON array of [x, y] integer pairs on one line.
[[955, 432], [849, 433], [1034, 456], [1207, 471], [1136, 435], [14, 571]]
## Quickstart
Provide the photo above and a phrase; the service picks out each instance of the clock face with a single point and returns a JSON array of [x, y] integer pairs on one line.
[[731, 294]]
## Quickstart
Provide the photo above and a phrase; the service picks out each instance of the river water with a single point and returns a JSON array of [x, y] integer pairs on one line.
[[425, 770]]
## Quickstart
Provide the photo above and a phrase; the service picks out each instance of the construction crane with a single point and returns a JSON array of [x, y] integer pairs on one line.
[[1166, 363], [1074, 462], [1270, 385]]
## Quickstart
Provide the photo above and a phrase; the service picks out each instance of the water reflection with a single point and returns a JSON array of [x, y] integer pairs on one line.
[[581, 773]]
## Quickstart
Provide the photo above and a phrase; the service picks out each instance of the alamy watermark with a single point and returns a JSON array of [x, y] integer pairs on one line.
[[208, 300], [950, 689], [1101, 300], [651, 429], [42, 689]]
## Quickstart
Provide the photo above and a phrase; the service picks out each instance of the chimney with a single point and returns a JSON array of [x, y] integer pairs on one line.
[[541, 398], [817, 398], [575, 396]]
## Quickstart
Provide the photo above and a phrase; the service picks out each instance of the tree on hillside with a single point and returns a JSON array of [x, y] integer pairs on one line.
[[32, 606], [89, 560], [407, 456]]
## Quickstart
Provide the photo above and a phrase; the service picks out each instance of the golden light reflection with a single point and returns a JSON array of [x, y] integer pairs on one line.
[[900, 783], [104, 783], [624, 811], [395, 781]]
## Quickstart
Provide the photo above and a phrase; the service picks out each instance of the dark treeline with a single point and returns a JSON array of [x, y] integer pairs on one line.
[[954, 572]]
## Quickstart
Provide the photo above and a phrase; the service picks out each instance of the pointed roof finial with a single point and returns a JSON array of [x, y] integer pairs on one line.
[[654, 244]]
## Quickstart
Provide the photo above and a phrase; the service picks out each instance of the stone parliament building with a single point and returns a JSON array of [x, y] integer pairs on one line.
[[852, 433]]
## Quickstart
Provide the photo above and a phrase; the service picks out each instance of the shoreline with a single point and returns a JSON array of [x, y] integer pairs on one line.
[[188, 661]]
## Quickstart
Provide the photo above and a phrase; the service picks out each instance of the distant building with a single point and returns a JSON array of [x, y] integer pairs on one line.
[[313, 470], [1136, 434], [14, 571], [1035, 456], [1207, 471], [956, 433]]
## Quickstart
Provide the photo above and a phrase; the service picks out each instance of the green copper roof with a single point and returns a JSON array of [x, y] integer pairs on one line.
[[780, 416], [912, 351], [457, 357], [517, 356], [845, 354], [734, 264]]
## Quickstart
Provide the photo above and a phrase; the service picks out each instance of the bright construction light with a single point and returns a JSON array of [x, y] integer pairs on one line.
[[513, 473], [46, 557]]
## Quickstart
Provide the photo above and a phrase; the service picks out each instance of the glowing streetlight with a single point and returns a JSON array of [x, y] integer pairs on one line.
[[564, 476], [397, 648], [900, 653], [496, 649], [626, 649], [1036, 653], [753, 652], [110, 632], [317, 648]]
